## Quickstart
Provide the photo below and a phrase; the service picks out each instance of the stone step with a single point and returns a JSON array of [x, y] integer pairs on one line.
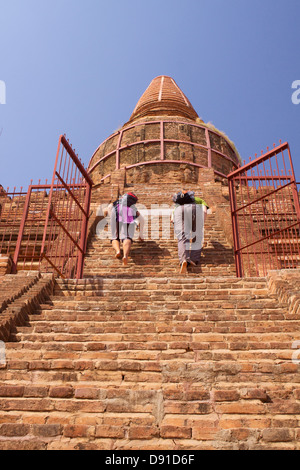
[[214, 320], [134, 420], [217, 282], [149, 374], [128, 324], [160, 341]]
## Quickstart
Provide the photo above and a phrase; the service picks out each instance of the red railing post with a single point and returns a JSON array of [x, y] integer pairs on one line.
[[294, 186], [50, 197], [21, 231], [235, 230], [84, 228]]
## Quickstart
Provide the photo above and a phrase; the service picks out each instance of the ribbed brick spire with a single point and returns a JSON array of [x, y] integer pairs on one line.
[[163, 97]]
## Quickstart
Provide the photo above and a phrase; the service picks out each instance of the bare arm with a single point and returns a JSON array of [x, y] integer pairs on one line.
[[141, 221]]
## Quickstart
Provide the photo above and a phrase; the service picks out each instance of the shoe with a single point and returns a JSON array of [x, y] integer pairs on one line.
[[183, 269], [118, 255], [125, 261]]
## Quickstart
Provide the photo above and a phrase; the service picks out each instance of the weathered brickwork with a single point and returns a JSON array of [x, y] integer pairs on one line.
[[148, 150], [20, 294], [5, 265], [141, 139], [201, 364]]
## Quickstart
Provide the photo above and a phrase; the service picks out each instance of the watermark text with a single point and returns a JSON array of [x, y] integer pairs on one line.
[[2, 92], [296, 94], [2, 354], [296, 353]]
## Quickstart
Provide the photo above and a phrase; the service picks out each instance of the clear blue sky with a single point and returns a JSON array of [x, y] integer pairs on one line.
[[79, 67]]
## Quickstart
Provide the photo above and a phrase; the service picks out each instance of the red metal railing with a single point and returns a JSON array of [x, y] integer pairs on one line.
[[65, 234], [265, 214], [12, 205], [45, 228]]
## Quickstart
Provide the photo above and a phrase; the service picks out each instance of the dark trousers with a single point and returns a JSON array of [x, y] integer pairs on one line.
[[188, 226]]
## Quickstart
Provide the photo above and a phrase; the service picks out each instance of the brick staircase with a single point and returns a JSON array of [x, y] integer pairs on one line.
[[159, 256], [201, 364], [143, 358]]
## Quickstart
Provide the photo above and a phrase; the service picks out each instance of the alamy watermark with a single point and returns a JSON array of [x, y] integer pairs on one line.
[[2, 354], [2, 92], [296, 353], [296, 94], [157, 223]]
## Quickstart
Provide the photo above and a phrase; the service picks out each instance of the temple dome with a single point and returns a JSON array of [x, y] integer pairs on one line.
[[164, 136], [163, 97]]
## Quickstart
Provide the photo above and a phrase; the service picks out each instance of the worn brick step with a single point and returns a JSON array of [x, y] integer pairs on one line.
[[129, 328], [156, 263], [160, 302], [100, 341], [168, 248], [169, 368], [147, 259], [103, 290], [180, 283], [153, 289], [216, 312], [57, 323], [163, 362], [204, 322], [223, 392], [160, 251], [209, 280], [243, 377], [189, 296], [169, 259], [180, 349], [198, 316], [148, 330], [157, 341], [163, 238], [166, 284], [267, 306], [201, 322], [159, 270], [239, 374], [156, 275], [158, 235], [108, 268], [145, 437], [138, 433]]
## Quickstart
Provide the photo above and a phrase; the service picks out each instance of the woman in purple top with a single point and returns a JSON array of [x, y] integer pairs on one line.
[[122, 221]]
